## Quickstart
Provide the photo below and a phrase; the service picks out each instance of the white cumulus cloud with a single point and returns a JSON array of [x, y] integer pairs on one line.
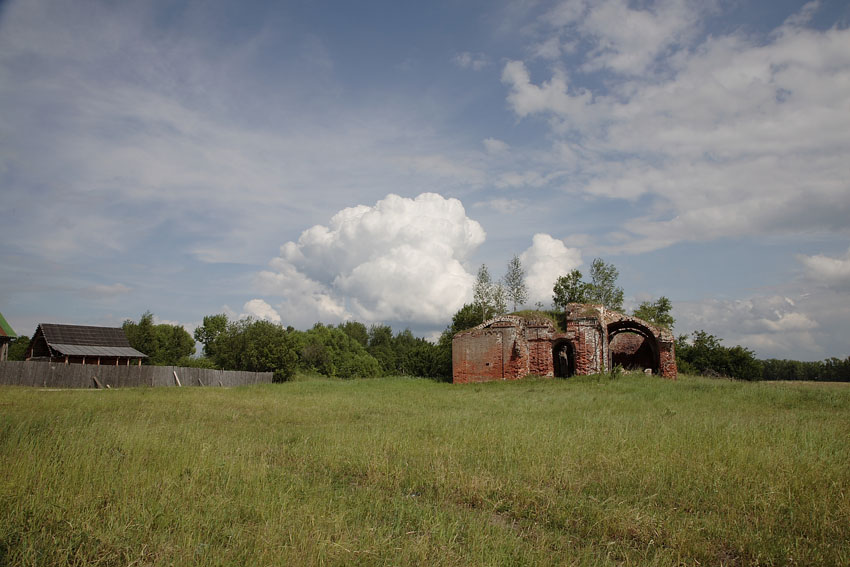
[[259, 309], [544, 261], [401, 260]]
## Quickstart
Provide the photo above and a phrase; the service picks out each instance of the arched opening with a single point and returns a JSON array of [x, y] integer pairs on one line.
[[633, 346], [563, 359]]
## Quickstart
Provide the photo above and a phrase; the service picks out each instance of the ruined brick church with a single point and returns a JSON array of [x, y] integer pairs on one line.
[[596, 339]]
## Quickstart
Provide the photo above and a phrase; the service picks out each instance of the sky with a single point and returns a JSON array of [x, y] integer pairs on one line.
[[304, 161]]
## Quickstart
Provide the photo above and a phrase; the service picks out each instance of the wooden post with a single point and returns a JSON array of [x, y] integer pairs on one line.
[[97, 382], [177, 379]]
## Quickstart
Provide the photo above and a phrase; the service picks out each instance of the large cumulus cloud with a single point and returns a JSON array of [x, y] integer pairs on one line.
[[399, 261], [545, 260]]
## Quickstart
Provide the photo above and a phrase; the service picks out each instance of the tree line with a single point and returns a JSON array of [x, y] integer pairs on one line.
[[347, 350], [703, 354], [351, 350]]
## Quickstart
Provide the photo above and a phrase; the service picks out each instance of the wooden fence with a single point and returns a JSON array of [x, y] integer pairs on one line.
[[57, 375]]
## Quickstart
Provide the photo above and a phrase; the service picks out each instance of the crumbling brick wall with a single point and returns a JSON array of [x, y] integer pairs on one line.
[[510, 347], [504, 348]]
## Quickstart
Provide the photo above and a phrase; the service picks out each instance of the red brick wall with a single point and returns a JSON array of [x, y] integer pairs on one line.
[[478, 356], [589, 345]]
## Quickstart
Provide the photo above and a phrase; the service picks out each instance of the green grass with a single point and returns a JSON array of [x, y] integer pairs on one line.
[[587, 471], [556, 317]]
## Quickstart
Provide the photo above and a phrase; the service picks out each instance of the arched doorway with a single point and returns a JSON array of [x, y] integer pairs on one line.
[[563, 359], [633, 346]]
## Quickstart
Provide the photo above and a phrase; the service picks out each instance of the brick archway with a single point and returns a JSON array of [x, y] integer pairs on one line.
[[633, 346]]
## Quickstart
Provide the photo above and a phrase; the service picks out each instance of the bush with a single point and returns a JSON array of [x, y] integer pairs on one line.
[[705, 355]]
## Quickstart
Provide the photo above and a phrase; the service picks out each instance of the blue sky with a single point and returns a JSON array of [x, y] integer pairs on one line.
[[322, 161]]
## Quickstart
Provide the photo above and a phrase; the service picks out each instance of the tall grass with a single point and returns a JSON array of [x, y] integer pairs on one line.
[[589, 471]]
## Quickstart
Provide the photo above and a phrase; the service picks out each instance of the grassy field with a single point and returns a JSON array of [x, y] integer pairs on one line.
[[586, 471]]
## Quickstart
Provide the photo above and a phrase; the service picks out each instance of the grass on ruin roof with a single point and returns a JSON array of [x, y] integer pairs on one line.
[[556, 317]]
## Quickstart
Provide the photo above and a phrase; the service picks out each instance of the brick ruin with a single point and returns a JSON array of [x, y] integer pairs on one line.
[[596, 339]]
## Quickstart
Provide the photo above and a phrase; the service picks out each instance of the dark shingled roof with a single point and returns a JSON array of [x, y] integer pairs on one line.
[[82, 340]]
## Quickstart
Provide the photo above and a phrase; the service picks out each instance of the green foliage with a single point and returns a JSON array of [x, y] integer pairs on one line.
[[249, 345], [164, 344], [356, 331], [570, 289], [829, 370], [466, 317], [331, 352], [704, 354], [201, 362], [603, 285], [601, 289], [18, 348], [212, 327], [381, 347], [656, 312], [514, 282], [141, 335]]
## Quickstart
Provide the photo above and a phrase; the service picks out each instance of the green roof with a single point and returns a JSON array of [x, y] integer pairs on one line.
[[5, 328]]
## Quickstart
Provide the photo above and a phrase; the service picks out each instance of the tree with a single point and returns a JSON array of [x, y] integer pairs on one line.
[[141, 335], [18, 348], [356, 331], [488, 296], [656, 312], [255, 346], [164, 344], [330, 351], [705, 355], [481, 292], [570, 289], [268, 348], [212, 327], [381, 347], [500, 299], [173, 343], [515, 287], [603, 285]]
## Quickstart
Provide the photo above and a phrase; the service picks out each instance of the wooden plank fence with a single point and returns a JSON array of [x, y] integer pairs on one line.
[[58, 375]]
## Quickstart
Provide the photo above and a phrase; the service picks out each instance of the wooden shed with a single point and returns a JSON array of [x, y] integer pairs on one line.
[[6, 336], [81, 344]]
